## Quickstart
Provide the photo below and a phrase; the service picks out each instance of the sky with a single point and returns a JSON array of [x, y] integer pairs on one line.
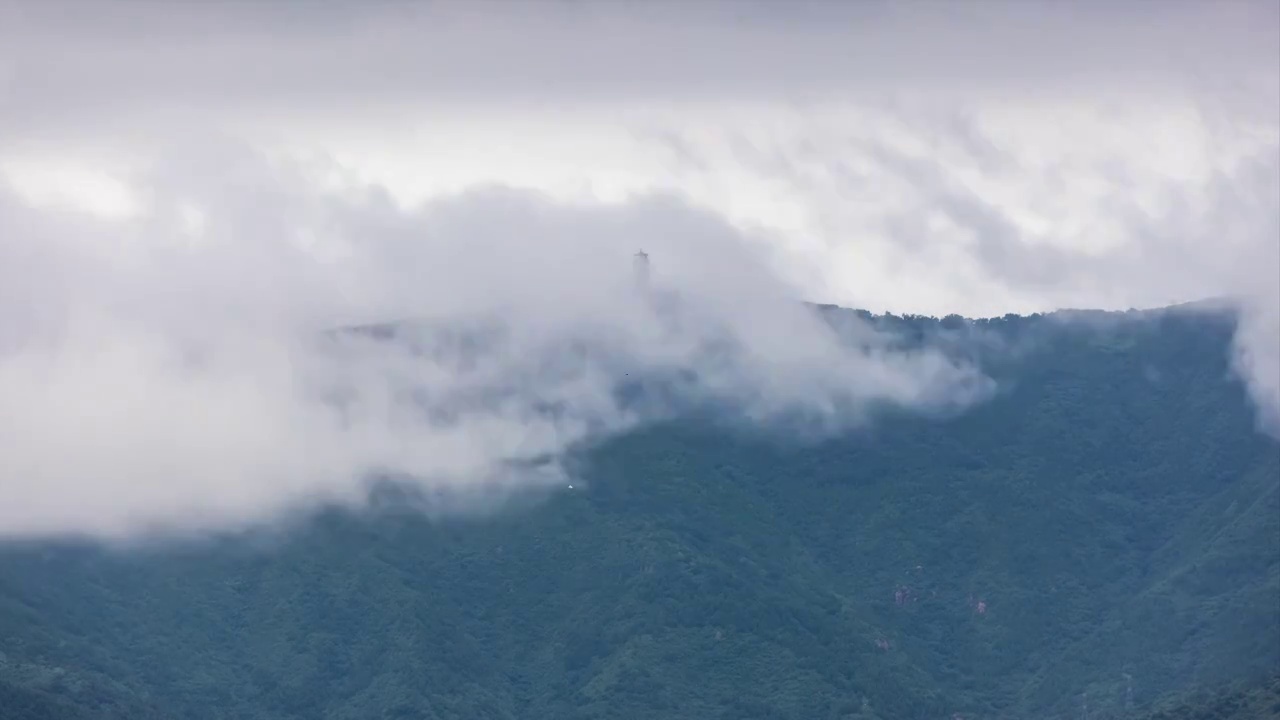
[[189, 192]]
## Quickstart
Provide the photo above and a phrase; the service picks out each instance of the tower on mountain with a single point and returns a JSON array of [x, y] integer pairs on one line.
[[641, 265]]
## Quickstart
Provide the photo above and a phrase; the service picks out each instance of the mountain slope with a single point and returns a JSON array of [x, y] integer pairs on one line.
[[1106, 529], [1237, 701]]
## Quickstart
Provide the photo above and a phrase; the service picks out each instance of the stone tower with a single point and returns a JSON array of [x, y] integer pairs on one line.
[[641, 264]]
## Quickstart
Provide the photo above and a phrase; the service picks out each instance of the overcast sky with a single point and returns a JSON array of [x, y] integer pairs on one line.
[[190, 188]]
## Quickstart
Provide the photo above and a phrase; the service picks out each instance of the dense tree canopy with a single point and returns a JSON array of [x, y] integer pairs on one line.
[[1104, 533]]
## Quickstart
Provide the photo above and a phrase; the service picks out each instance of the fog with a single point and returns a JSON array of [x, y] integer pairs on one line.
[[178, 370], [195, 198]]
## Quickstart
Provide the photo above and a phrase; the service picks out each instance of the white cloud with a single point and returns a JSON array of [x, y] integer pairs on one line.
[[156, 376], [1005, 208], [1007, 156]]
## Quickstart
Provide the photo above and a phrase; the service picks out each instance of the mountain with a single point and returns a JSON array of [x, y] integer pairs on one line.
[[1237, 700], [1101, 535]]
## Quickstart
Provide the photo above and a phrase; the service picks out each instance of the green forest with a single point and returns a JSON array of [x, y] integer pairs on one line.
[[1099, 539]]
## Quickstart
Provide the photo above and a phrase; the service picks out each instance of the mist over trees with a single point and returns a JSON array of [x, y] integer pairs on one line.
[[1100, 536]]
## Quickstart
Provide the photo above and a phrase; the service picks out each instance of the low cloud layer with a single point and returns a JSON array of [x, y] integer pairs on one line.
[[177, 370], [174, 367], [988, 209]]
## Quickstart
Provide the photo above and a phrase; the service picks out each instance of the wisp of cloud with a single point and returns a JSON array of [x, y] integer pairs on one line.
[[211, 361], [196, 364]]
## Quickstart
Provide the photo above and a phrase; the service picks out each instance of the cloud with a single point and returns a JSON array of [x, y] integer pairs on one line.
[[990, 209], [141, 63], [172, 363], [179, 369]]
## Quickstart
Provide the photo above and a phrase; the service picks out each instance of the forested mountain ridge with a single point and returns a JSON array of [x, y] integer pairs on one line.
[[1104, 531]]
